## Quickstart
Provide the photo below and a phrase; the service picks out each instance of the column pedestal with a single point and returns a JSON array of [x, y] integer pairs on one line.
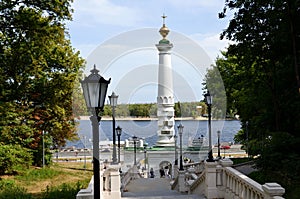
[[211, 190], [181, 181], [113, 182]]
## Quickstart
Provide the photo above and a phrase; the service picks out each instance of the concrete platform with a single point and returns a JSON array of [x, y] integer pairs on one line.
[[154, 188]]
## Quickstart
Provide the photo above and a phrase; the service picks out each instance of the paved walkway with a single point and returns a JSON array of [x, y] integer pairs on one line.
[[154, 188]]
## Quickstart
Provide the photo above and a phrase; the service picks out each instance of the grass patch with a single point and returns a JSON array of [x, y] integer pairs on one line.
[[61, 180], [64, 190], [240, 160], [38, 174], [9, 190]]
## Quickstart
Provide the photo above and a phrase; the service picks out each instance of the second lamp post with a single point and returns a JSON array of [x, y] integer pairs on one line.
[[180, 131], [113, 103], [219, 134], [208, 99], [119, 132], [135, 139]]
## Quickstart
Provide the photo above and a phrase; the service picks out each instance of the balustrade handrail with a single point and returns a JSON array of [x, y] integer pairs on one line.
[[127, 176], [198, 181], [239, 183], [198, 165], [174, 183]]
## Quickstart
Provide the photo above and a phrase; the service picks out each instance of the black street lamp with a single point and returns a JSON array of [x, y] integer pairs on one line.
[[145, 156], [84, 149], [94, 90], [113, 103], [119, 132], [180, 132], [43, 136], [176, 154], [134, 138], [208, 99], [219, 134]]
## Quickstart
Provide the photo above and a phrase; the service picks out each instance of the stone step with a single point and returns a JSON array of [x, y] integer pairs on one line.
[[154, 188]]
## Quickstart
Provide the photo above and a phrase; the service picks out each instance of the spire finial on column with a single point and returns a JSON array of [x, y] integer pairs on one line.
[[164, 30], [164, 17]]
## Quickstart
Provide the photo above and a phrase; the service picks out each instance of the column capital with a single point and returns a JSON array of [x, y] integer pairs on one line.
[[164, 48]]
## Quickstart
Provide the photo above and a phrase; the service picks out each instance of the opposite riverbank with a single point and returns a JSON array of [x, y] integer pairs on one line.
[[147, 118]]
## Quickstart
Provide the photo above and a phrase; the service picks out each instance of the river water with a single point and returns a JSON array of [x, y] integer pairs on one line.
[[148, 130]]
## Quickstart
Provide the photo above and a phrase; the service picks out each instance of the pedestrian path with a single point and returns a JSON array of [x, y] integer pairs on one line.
[[154, 188]]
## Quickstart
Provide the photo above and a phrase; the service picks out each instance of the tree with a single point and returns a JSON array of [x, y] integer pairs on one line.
[[261, 78], [214, 84], [38, 72]]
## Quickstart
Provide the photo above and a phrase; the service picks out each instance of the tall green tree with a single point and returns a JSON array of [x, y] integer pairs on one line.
[[261, 77], [38, 69]]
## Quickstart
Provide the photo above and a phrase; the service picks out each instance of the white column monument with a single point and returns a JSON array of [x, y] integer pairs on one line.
[[165, 98]]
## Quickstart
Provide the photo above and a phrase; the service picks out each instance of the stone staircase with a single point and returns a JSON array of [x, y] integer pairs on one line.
[[154, 188]]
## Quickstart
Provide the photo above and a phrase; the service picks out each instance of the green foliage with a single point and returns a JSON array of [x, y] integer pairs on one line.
[[14, 192], [214, 84], [38, 152], [38, 174], [38, 72], [260, 71], [63, 191], [8, 190], [190, 109], [184, 109], [140, 110], [13, 158]]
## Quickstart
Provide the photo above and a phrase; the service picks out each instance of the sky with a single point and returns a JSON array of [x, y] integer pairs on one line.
[[120, 37]]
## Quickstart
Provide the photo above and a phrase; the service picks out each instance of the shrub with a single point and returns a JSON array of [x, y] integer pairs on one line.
[[13, 157], [63, 191], [9, 190]]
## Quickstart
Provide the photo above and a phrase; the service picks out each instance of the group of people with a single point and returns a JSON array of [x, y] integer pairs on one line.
[[163, 171]]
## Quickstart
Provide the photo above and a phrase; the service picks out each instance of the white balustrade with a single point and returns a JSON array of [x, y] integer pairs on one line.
[[226, 182]]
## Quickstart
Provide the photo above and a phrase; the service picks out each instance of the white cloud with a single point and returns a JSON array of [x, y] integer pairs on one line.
[[211, 43], [95, 12]]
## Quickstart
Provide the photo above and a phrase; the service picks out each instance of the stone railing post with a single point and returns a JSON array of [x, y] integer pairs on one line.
[[211, 190], [273, 191], [224, 190], [135, 172], [175, 171], [181, 181], [112, 182]]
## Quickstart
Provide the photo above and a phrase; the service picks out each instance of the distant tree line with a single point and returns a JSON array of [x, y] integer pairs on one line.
[[184, 109]]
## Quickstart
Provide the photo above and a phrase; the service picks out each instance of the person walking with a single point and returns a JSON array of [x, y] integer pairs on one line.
[[151, 173]]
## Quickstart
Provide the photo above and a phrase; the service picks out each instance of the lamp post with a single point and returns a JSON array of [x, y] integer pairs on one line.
[[176, 154], [119, 132], [134, 138], [175, 173], [145, 157], [113, 103], [43, 149], [180, 131], [208, 99], [247, 139], [84, 149], [94, 90], [219, 134]]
